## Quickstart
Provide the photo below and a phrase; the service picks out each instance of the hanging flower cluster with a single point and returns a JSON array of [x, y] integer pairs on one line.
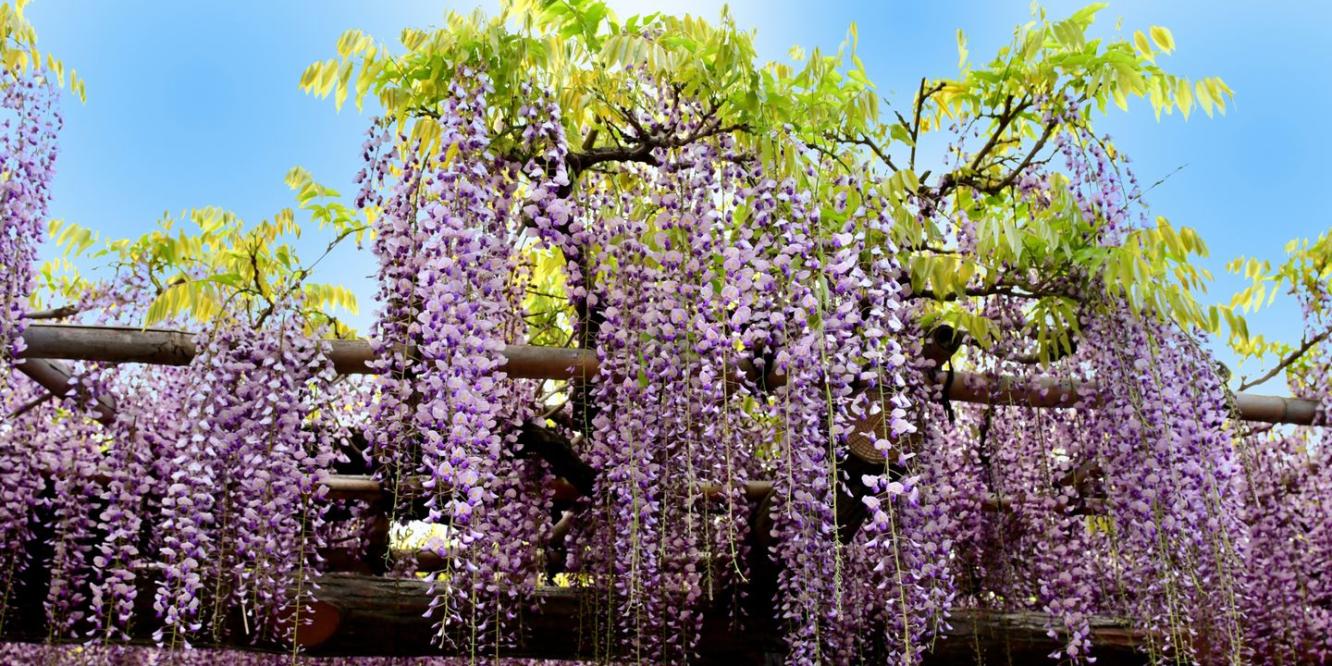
[[704, 286], [29, 123], [766, 433], [1287, 491], [224, 496], [667, 338], [240, 516], [116, 655], [53, 454], [706, 278], [22, 486], [146, 422], [835, 337], [449, 286], [1169, 473]]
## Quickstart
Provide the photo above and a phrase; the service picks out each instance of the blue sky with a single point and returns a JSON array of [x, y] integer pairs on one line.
[[196, 103]]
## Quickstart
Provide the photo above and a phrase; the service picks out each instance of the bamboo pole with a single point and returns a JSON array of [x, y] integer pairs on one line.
[[119, 344], [165, 347]]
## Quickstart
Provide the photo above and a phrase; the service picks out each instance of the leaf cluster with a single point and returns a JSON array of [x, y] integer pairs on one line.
[[19, 52], [208, 264], [820, 114]]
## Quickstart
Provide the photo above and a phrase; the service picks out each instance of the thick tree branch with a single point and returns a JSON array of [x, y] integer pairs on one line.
[[921, 96], [956, 178], [1012, 176], [1004, 119], [56, 313], [641, 151], [30, 405], [54, 377], [867, 142]]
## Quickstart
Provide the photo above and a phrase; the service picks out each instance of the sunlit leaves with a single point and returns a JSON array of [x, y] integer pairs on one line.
[[57, 281], [827, 112], [197, 298], [1059, 60], [1143, 46], [72, 238], [18, 50], [549, 311], [1163, 39], [208, 264], [324, 207], [1184, 97], [1154, 271], [593, 61], [329, 297], [1305, 273]]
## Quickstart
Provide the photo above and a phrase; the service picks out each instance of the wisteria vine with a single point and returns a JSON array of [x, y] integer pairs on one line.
[[30, 122], [768, 445]]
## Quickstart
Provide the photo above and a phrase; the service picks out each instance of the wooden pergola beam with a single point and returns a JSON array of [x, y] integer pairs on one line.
[[120, 344], [356, 616], [382, 616], [54, 377], [166, 347], [368, 489], [355, 486]]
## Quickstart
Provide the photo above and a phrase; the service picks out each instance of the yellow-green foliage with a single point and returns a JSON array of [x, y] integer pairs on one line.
[[1307, 273], [208, 263], [819, 107], [823, 107], [18, 49]]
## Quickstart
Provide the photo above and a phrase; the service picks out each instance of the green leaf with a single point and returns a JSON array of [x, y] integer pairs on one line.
[[1163, 39], [1142, 45], [899, 132], [1184, 97], [1204, 97]]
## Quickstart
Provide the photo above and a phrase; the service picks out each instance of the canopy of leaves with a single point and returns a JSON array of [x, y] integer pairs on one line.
[[822, 113], [818, 113]]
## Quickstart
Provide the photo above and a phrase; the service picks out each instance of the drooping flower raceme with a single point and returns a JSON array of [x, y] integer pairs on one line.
[[241, 515], [447, 274], [1169, 474], [29, 123]]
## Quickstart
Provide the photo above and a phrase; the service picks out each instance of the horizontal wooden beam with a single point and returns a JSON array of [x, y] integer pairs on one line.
[[54, 377], [358, 616], [355, 486], [367, 488], [120, 344], [165, 347], [388, 617]]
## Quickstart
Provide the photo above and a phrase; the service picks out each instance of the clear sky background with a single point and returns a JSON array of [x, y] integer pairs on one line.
[[196, 103]]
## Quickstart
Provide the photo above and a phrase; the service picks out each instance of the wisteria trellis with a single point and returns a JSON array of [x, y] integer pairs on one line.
[[703, 263]]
